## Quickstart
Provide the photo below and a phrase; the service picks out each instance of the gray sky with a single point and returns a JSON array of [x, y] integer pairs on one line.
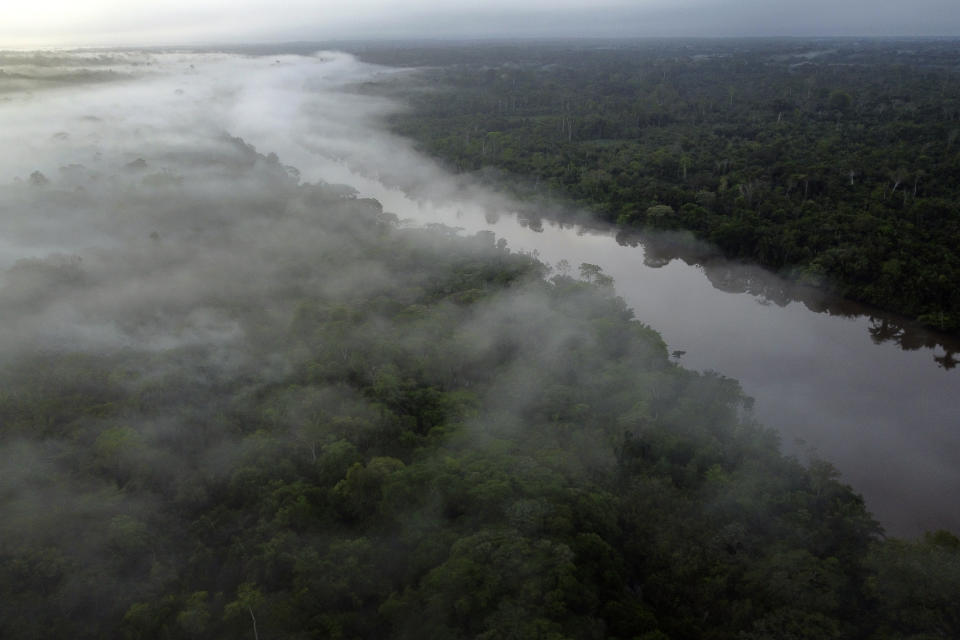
[[133, 22]]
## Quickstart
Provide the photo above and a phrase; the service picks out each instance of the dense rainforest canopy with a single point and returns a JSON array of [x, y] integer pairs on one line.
[[321, 423], [834, 162]]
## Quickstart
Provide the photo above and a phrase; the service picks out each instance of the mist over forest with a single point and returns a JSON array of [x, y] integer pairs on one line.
[[240, 397]]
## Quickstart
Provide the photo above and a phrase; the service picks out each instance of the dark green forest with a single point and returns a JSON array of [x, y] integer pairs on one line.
[[406, 433], [833, 162]]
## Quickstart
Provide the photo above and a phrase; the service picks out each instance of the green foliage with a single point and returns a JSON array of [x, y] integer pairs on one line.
[[917, 583], [832, 167], [472, 451]]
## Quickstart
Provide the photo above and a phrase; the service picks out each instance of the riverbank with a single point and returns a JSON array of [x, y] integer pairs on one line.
[[832, 168]]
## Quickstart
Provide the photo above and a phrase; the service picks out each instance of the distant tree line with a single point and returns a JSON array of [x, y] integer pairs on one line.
[[833, 162]]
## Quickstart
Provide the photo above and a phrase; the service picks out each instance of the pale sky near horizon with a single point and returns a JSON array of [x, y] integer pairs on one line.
[[118, 22]]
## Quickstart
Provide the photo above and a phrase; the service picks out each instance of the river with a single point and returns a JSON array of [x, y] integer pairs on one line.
[[888, 418], [865, 390], [834, 378]]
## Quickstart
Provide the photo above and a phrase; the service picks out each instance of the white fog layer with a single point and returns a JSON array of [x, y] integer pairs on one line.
[[120, 173]]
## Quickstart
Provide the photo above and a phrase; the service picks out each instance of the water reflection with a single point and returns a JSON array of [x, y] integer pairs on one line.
[[769, 288], [856, 385]]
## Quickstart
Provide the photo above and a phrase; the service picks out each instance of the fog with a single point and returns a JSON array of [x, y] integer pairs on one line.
[[165, 204], [169, 291]]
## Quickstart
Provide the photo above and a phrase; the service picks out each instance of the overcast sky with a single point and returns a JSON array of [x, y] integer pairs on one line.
[[139, 22]]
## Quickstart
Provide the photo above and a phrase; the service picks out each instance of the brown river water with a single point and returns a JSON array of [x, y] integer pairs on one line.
[[875, 396]]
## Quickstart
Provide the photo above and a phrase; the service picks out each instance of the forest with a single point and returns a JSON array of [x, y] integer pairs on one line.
[[831, 161], [358, 429], [237, 403]]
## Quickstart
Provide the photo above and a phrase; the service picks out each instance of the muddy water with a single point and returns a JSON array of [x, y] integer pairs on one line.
[[873, 396], [887, 417], [877, 398]]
